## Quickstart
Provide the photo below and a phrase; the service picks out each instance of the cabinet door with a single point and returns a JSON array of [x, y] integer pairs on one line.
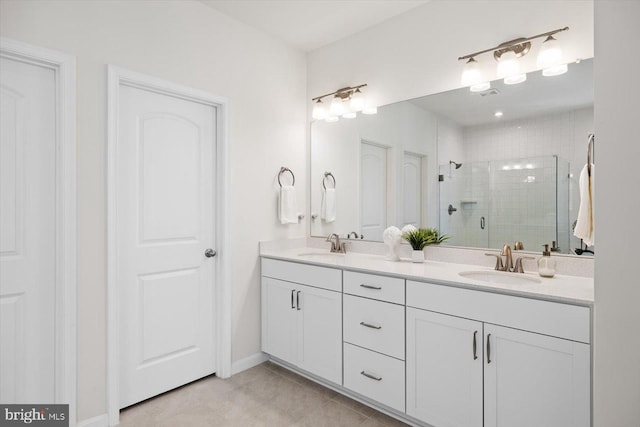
[[534, 380], [279, 319], [320, 332], [444, 373]]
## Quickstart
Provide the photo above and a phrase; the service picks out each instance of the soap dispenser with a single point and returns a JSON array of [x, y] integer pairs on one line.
[[546, 264]]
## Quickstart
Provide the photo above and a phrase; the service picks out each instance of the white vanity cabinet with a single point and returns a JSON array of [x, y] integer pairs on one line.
[[302, 317], [535, 373]]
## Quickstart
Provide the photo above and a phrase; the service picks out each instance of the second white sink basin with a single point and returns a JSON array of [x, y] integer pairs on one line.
[[499, 277]]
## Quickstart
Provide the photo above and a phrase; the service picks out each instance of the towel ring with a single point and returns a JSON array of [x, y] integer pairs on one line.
[[283, 170], [590, 151], [327, 175]]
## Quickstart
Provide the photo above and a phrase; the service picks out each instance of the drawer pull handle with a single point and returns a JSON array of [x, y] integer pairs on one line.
[[488, 349], [369, 325], [377, 288], [475, 345], [373, 377]]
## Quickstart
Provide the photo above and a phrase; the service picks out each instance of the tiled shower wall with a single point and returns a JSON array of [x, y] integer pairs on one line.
[[563, 134]]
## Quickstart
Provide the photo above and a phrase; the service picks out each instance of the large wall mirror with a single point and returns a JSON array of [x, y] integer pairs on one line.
[[486, 168]]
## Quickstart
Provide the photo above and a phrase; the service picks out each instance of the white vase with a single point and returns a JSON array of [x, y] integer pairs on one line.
[[417, 256], [393, 255]]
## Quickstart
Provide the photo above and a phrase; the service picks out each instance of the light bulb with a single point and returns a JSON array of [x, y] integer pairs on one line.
[[357, 101], [319, 111], [337, 107], [550, 54]]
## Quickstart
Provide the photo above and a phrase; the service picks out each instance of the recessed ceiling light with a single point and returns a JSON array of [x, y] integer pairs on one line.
[[498, 114]]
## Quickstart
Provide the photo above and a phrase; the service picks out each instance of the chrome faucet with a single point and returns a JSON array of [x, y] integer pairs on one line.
[[336, 245]]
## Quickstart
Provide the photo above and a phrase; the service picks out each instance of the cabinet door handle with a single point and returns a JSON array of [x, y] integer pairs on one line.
[[298, 300], [377, 288], [369, 325], [292, 292], [373, 377], [488, 349], [475, 345]]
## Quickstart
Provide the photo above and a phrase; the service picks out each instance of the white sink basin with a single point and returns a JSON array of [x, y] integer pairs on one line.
[[499, 277]]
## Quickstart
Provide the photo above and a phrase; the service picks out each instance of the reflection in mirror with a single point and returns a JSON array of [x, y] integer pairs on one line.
[[486, 168]]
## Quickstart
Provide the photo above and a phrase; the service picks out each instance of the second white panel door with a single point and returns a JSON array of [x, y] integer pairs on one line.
[[165, 222], [373, 191]]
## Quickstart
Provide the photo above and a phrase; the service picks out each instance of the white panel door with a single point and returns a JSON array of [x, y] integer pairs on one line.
[[533, 380], [411, 190], [444, 369], [27, 231], [373, 191], [165, 222], [320, 332]]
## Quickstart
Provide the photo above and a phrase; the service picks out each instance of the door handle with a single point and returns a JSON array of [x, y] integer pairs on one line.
[[373, 377], [210, 253], [298, 300], [488, 349], [292, 292], [475, 345], [369, 325], [482, 223]]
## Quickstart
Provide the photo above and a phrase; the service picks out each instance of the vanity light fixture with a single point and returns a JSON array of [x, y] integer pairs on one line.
[[346, 103], [507, 54]]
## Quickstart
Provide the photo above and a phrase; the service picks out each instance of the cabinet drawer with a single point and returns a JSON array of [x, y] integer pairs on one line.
[[375, 325], [383, 288], [375, 376], [545, 317], [320, 277]]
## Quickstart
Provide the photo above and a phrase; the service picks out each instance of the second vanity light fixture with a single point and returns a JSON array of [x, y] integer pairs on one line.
[[346, 103], [507, 54]]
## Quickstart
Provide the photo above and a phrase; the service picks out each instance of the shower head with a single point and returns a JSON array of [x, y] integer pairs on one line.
[[458, 165]]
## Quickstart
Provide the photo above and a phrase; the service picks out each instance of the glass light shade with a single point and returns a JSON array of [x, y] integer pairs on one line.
[[508, 65], [512, 80], [471, 73], [480, 87], [555, 71], [319, 111], [550, 54], [357, 101], [331, 119], [337, 107]]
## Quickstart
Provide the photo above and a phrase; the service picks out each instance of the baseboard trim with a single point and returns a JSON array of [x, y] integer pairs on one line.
[[97, 421], [248, 362]]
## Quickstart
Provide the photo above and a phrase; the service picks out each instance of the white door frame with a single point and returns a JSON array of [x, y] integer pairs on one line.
[[116, 77], [64, 68]]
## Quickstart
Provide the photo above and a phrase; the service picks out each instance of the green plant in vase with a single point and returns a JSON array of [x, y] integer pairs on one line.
[[419, 238]]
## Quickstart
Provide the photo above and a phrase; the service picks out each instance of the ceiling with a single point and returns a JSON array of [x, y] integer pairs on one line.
[[310, 24], [537, 95]]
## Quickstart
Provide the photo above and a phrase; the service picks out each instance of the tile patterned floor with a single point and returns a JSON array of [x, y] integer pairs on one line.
[[266, 395]]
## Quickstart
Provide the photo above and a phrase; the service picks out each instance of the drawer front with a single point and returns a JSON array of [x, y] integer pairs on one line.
[[375, 376], [544, 317], [382, 288], [319, 277], [375, 325]]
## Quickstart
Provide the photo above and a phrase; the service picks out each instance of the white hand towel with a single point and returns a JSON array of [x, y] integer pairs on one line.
[[328, 208], [287, 206], [585, 229]]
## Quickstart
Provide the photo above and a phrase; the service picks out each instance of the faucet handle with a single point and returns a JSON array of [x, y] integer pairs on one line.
[[498, 261], [518, 267]]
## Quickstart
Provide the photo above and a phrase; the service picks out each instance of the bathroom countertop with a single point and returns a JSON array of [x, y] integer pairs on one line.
[[560, 288]]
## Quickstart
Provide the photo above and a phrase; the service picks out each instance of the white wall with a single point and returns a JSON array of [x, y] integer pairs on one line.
[[617, 193], [190, 44]]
